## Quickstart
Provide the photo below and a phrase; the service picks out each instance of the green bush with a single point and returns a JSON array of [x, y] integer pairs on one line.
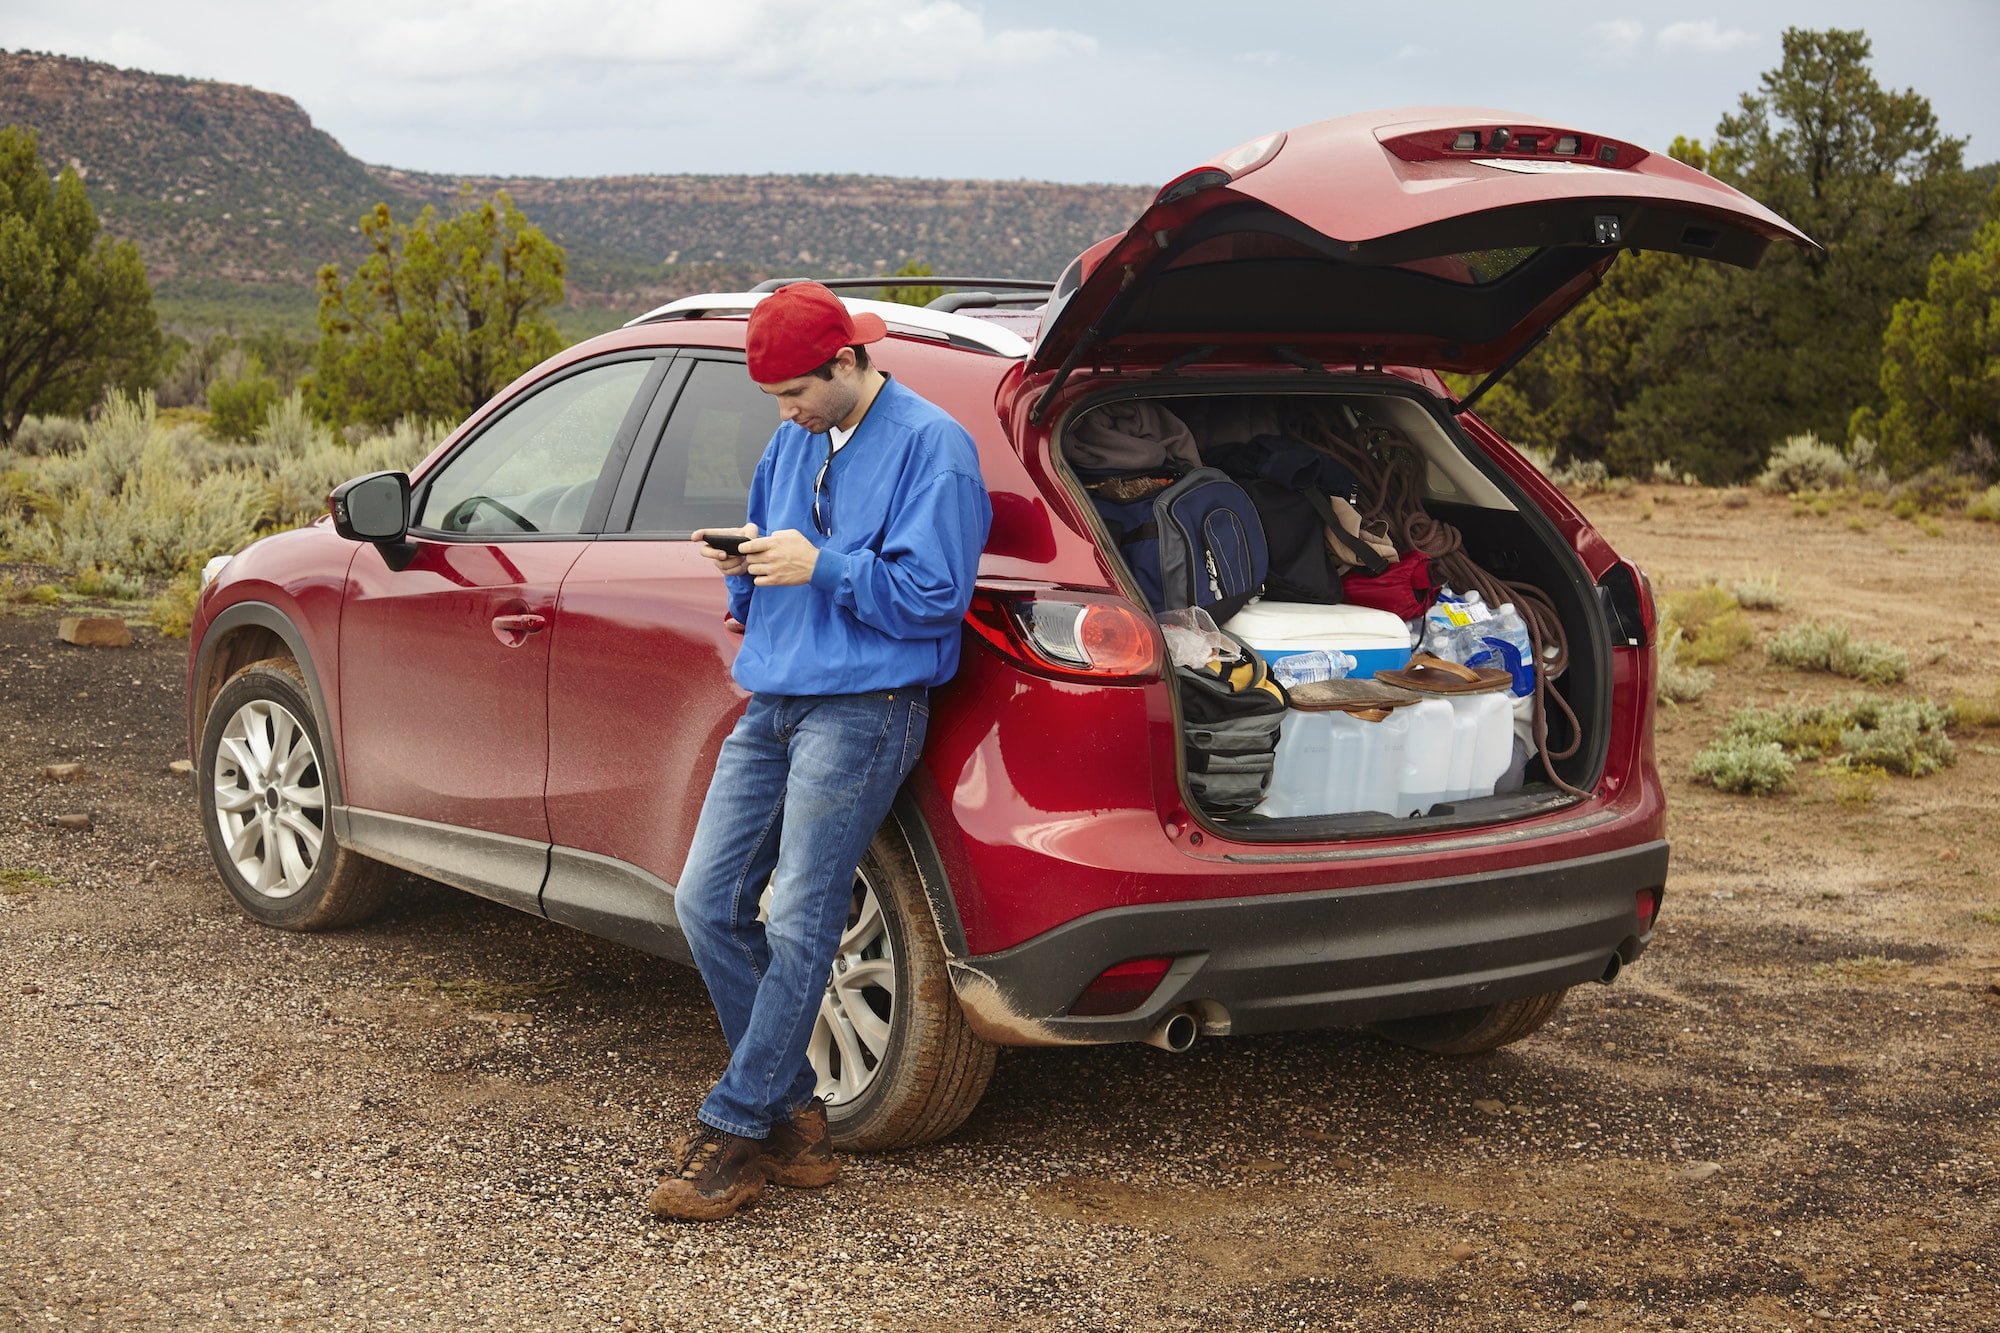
[[1805, 463], [149, 500], [108, 584], [1713, 627], [1935, 490], [1676, 682], [1832, 647], [1904, 736], [1745, 766], [238, 404], [1760, 594], [1986, 506], [48, 435], [1857, 733]]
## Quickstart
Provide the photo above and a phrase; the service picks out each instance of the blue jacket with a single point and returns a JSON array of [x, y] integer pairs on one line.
[[909, 516]]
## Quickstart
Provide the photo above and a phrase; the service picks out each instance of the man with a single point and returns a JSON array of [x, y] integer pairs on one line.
[[875, 514]]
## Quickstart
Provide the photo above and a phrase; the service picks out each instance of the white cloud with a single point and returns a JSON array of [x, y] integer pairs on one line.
[[1411, 51], [1704, 35], [857, 43], [1267, 59], [1617, 39]]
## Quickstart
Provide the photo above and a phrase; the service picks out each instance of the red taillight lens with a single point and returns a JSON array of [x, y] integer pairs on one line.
[[1121, 988], [1085, 636], [1647, 901]]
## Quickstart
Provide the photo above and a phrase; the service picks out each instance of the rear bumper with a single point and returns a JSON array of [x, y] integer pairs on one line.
[[1338, 958]]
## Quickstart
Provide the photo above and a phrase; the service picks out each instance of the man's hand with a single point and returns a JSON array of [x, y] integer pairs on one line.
[[785, 557], [730, 564]]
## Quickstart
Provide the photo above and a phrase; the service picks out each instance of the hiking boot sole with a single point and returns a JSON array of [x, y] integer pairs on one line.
[[680, 1200], [802, 1175]]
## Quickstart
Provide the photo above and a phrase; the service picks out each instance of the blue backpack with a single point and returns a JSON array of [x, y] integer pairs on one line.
[[1199, 542]]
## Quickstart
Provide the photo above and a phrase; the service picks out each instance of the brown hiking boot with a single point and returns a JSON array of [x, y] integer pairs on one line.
[[717, 1173], [799, 1152]]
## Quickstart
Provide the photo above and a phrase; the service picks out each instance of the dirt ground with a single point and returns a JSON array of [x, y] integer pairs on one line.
[[1783, 1118]]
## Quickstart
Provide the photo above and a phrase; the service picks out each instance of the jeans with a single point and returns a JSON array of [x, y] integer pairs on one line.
[[800, 787]]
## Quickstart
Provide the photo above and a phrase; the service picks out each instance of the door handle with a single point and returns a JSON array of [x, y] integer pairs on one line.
[[514, 630]]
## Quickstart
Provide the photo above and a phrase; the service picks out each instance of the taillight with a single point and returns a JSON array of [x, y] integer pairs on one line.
[[1628, 599], [1088, 636], [1121, 988], [1647, 902]]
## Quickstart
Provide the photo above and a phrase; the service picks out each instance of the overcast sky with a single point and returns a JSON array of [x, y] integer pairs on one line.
[[1112, 90]]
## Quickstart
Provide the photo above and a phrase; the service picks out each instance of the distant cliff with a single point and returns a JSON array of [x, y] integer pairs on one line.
[[228, 189]]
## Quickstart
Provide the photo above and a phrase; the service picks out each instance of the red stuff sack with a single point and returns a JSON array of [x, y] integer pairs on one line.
[[1404, 588]]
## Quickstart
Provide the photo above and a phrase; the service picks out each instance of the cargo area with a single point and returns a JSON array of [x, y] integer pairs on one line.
[[1472, 735]]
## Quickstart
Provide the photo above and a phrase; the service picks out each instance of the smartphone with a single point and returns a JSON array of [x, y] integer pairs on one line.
[[726, 541]]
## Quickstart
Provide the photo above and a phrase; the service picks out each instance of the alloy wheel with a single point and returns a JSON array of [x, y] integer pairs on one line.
[[850, 1040], [269, 801]]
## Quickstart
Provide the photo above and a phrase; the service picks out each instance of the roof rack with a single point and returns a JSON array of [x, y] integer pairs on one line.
[[906, 280], [936, 324]]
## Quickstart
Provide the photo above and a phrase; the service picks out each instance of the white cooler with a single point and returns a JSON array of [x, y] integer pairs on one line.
[[1378, 640]]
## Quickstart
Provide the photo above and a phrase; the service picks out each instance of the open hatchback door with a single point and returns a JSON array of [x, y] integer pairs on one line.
[[1446, 238]]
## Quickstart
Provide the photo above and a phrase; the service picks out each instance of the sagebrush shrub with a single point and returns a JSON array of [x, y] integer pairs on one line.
[[1856, 732], [1764, 593], [1805, 463], [142, 499], [1744, 766], [1904, 736], [1676, 682], [1985, 506], [1831, 646], [1713, 627]]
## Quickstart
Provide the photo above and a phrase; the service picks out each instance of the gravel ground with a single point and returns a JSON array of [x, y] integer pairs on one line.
[[445, 1118]]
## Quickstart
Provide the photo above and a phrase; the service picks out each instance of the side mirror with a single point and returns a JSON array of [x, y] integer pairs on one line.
[[374, 508]]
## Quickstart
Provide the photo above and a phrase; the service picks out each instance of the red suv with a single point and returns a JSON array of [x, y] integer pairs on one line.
[[509, 671]]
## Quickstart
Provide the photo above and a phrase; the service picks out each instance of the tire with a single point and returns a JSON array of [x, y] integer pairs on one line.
[[275, 848], [1474, 1031], [898, 1064]]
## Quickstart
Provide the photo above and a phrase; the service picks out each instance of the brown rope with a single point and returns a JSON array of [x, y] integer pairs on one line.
[[1391, 473]]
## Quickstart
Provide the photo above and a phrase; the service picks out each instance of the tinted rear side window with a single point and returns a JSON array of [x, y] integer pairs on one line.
[[700, 475]]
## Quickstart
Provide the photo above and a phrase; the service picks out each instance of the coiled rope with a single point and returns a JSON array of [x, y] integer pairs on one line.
[[1391, 472]]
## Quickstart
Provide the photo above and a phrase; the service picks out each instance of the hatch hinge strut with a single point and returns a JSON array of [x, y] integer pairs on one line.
[[1464, 404], [1188, 358], [1292, 356]]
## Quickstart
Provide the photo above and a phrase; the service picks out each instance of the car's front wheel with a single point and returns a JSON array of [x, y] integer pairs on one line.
[[1485, 1027], [897, 1063], [265, 807]]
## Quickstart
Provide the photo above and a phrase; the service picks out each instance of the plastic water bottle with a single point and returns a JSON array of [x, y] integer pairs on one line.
[[1501, 640], [1448, 625], [1319, 664]]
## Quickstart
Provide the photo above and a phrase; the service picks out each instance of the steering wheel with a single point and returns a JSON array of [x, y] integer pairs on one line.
[[459, 517]]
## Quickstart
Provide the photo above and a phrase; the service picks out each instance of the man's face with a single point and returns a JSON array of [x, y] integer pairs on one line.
[[816, 404]]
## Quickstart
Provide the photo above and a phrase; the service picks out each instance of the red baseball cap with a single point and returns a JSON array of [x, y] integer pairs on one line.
[[799, 327]]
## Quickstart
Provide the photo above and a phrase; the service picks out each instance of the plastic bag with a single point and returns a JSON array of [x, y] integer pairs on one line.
[[1193, 639], [1501, 640], [1448, 625]]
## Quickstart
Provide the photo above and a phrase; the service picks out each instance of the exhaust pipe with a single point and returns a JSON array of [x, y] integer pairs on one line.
[[1612, 968], [1176, 1032]]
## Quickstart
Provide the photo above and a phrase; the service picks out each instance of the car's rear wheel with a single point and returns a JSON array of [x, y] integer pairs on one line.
[[265, 807], [897, 1063], [1485, 1027]]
